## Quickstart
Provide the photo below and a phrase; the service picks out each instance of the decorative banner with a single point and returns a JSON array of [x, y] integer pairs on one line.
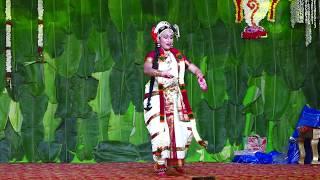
[[8, 42], [40, 30], [305, 11], [254, 12], [40, 57]]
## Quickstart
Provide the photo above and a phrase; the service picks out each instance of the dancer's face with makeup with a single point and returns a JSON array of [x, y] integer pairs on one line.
[[166, 39]]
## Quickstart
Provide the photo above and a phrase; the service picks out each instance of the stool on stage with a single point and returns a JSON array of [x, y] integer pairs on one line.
[[308, 127], [314, 135]]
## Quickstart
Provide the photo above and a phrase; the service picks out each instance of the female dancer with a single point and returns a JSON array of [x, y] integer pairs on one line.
[[168, 116]]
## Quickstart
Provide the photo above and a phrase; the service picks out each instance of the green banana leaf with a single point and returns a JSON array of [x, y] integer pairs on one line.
[[49, 79], [197, 153], [87, 63], [145, 152], [252, 94], [34, 77], [212, 127], [74, 96], [121, 125], [15, 116], [216, 88], [56, 19], [278, 97], [292, 68], [217, 45], [55, 38], [116, 40], [66, 135], [4, 112], [206, 12], [100, 15], [294, 108], [98, 44], [254, 100], [234, 123], [154, 11], [80, 18], [25, 45], [25, 9], [236, 80], [141, 47], [115, 151], [280, 28], [193, 45], [139, 134], [178, 11], [311, 88], [50, 123], [2, 15], [25, 41], [134, 79], [174, 10], [68, 63], [4, 151], [193, 90], [255, 52], [17, 151], [87, 136], [119, 89], [49, 151], [102, 104], [32, 109], [260, 125], [227, 17], [123, 13], [285, 126]]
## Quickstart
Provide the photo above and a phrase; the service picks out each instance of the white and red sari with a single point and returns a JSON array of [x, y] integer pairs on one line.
[[169, 121]]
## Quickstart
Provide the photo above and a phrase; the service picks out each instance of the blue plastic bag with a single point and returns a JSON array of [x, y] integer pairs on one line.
[[293, 152], [248, 159]]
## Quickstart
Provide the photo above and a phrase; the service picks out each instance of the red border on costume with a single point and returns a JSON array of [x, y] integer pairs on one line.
[[161, 99]]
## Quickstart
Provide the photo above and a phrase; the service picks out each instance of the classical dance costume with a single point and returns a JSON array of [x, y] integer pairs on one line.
[[170, 121], [168, 115]]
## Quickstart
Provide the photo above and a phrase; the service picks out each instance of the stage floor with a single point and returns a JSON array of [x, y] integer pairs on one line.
[[144, 171]]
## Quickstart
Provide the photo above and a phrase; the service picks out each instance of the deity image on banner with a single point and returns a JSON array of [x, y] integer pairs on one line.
[[254, 12]]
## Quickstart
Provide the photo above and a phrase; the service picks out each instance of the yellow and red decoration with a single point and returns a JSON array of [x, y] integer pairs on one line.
[[272, 11], [253, 11]]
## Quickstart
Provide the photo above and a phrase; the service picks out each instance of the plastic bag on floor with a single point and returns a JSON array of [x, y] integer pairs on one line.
[[293, 152], [248, 159], [273, 157]]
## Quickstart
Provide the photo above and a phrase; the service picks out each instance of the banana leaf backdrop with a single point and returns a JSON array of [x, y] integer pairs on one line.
[[85, 103]]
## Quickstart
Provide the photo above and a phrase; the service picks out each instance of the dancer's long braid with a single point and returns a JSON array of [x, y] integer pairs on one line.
[[155, 65]]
